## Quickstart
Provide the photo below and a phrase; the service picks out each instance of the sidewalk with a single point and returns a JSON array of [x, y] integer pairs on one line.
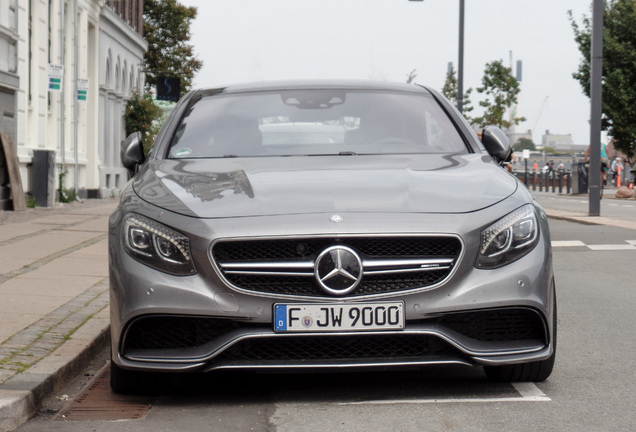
[[53, 300], [583, 217]]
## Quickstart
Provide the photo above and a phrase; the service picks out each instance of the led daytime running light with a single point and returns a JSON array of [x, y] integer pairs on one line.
[[503, 225], [179, 243]]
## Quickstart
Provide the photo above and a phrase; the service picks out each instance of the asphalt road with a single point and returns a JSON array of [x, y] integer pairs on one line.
[[591, 389]]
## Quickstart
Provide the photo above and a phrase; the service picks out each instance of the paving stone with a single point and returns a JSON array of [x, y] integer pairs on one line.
[[6, 373]]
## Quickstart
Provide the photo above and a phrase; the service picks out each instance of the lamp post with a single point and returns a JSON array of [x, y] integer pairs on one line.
[[596, 97], [460, 60]]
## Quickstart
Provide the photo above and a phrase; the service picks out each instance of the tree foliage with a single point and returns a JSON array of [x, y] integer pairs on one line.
[[619, 70], [524, 144], [501, 89], [167, 30], [450, 92], [141, 115]]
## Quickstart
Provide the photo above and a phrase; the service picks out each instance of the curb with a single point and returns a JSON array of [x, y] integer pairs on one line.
[[23, 395], [589, 220]]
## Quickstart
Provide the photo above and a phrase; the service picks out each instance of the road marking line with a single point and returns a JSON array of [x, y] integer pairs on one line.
[[631, 245], [567, 243], [609, 247], [528, 391]]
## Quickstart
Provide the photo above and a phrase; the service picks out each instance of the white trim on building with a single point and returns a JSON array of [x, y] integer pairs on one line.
[[106, 52]]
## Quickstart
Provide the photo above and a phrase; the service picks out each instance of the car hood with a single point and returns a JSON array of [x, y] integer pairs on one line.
[[239, 187]]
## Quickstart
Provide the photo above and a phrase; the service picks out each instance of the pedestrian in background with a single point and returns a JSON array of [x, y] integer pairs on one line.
[[604, 166], [614, 169]]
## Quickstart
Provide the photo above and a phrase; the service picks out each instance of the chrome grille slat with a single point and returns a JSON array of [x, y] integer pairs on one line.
[[286, 266], [307, 268]]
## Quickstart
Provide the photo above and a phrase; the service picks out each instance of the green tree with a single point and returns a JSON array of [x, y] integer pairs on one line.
[[167, 30], [501, 89], [524, 144], [141, 115], [619, 70], [450, 92]]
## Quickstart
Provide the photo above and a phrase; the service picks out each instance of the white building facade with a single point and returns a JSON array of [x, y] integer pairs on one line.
[[9, 85], [122, 49], [99, 43]]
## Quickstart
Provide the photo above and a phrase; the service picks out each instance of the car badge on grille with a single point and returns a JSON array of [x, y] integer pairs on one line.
[[336, 218], [338, 270]]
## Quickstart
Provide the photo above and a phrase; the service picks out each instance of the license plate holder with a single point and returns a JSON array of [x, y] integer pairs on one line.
[[339, 317]]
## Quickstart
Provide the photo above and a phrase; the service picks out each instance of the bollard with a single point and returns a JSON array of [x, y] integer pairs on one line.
[[534, 180], [568, 183], [560, 182]]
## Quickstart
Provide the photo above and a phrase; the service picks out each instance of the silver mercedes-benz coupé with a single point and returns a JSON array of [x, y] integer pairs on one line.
[[327, 225]]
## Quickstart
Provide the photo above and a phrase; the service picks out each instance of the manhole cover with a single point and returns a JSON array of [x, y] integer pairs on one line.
[[98, 402]]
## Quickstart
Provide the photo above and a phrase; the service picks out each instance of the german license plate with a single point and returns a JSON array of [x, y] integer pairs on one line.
[[338, 317]]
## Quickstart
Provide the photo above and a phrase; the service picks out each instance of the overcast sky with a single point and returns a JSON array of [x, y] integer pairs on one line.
[[255, 40]]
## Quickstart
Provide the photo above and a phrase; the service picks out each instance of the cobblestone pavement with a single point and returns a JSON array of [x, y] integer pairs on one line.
[[53, 300]]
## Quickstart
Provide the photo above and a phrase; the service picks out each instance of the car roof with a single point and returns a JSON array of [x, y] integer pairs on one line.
[[313, 84]]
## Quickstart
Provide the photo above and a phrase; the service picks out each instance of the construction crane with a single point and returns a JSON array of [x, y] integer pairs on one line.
[[539, 115]]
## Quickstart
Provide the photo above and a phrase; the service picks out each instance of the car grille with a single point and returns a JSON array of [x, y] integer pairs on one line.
[[286, 266], [339, 348], [496, 325], [179, 337], [175, 332]]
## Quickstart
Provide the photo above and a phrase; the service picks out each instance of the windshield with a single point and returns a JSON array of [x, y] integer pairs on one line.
[[314, 122]]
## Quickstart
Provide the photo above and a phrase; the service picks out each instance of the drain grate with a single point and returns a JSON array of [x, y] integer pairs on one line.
[[98, 402]]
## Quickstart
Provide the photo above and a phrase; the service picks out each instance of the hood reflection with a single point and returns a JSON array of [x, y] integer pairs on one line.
[[213, 185]]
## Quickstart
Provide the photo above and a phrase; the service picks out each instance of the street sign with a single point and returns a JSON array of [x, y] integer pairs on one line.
[[168, 88], [82, 89], [56, 77]]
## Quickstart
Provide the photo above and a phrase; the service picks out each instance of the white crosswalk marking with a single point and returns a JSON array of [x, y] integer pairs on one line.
[[610, 247], [630, 245], [567, 243]]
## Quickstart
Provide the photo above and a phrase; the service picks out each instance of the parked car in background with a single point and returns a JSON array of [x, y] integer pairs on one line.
[[327, 225]]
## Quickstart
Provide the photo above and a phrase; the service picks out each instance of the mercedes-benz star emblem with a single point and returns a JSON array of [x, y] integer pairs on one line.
[[338, 270]]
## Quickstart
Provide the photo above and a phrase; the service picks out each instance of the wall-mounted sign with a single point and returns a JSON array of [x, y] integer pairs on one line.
[[56, 77], [82, 89]]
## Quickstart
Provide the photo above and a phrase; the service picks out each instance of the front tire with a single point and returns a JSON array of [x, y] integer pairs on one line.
[[124, 381], [533, 371]]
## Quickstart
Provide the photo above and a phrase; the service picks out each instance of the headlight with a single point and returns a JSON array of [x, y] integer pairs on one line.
[[157, 246], [509, 238]]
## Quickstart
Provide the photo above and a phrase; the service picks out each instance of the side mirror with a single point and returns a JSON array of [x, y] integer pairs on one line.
[[132, 153], [496, 143]]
